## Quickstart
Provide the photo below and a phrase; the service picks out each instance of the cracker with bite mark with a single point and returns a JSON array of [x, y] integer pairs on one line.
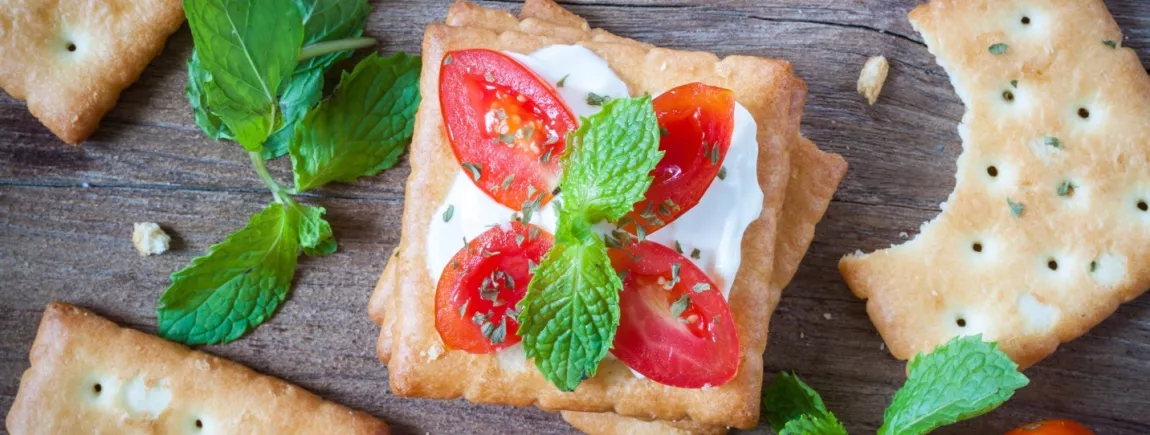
[[1048, 230], [71, 59], [89, 375], [626, 383]]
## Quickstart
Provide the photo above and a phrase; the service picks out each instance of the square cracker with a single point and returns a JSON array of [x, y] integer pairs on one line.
[[1060, 259], [71, 59], [815, 176], [89, 375], [419, 364]]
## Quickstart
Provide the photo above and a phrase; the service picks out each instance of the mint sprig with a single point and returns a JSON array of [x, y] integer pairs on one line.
[[570, 313], [962, 379], [791, 403], [237, 285], [247, 66], [242, 79], [959, 380], [342, 139]]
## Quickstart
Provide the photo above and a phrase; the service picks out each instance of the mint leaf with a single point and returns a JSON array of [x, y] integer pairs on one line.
[[608, 161], [211, 124], [323, 20], [363, 128], [314, 231], [237, 285], [299, 95], [248, 47], [788, 398], [961, 379], [816, 424], [329, 20], [570, 313]]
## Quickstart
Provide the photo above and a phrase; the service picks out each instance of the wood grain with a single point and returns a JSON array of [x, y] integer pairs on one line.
[[66, 215]]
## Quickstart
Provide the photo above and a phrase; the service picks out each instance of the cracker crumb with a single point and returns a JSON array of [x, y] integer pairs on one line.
[[149, 238], [882, 346], [903, 235], [827, 316], [872, 77]]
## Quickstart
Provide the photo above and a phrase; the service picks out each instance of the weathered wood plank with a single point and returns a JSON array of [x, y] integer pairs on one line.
[[61, 241]]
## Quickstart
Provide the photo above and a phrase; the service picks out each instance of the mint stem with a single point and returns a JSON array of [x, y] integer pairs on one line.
[[262, 171], [323, 48]]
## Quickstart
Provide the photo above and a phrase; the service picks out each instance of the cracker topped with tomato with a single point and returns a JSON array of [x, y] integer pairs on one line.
[[641, 292], [508, 128]]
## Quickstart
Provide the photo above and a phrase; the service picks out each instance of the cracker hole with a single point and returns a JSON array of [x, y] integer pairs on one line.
[[97, 388], [1083, 113], [977, 247], [1143, 206], [1008, 96], [1025, 21], [992, 171], [71, 47], [961, 322], [1052, 264], [199, 424]]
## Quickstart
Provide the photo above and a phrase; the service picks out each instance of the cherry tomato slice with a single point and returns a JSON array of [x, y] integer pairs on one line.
[[696, 121], [506, 125], [675, 327], [1052, 427], [477, 292]]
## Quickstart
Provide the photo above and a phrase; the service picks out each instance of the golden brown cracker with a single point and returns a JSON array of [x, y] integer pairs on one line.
[[1047, 230], [419, 365], [89, 375], [71, 59]]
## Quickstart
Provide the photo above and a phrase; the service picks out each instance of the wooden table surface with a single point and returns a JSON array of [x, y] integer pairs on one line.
[[66, 217]]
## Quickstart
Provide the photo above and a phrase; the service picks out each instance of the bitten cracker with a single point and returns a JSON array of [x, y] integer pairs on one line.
[[71, 59], [89, 375], [1048, 229], [421, 370]]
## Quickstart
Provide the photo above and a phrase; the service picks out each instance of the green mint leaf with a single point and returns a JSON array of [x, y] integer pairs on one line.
[[205, 119], [324, 20], [997, 49], [962, 379], [788, 398], [330, 20], [237, 285], [363, 128], [299, 95], [814, 425], [314, 231], [249, 50], [570, 313], [608, 162]]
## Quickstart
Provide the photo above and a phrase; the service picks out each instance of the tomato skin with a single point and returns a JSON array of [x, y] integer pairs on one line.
[[503, 117], [500, 250], [1052, 427], [698, 348], [695, 118]]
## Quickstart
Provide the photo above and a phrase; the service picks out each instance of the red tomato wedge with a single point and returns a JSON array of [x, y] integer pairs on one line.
[[477, 292], [507, 126], [696, 122], [677, 332]]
